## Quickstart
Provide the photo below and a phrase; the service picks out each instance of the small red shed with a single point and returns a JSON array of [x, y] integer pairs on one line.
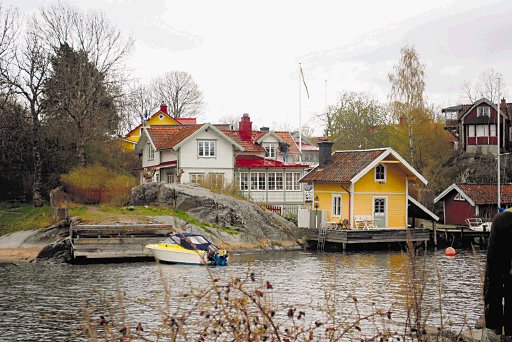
[[462, 201]]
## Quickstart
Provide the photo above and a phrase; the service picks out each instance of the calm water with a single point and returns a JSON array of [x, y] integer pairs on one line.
[[43, 301]]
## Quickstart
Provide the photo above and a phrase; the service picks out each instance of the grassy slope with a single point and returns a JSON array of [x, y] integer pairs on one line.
[[23, 217], [26, 217]]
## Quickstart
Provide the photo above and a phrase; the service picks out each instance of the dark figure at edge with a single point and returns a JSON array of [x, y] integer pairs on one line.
[[498, 276]]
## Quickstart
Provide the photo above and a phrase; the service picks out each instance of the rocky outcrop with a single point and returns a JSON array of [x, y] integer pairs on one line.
[[60, 251], [257, 227]]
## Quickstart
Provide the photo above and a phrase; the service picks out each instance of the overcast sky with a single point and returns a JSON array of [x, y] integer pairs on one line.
[[244, 55]]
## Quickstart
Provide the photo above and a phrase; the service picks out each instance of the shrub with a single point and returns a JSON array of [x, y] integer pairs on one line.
[[212, 183], [117, 190], [97, 184]]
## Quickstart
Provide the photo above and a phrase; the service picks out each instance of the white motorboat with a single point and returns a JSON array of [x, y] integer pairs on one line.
[[189, 249]]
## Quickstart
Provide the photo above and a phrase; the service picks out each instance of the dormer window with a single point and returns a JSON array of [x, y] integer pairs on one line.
[[483, 111], [270, 150], [380, 173]]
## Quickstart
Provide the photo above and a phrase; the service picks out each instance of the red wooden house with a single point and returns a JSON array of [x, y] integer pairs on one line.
[[475, 125], [462, 201]]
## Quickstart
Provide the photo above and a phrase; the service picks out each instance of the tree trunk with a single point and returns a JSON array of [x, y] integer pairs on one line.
[[81, 150], [37, 199]]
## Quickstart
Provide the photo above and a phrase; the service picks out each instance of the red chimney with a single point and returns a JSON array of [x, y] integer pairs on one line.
[[163, 108], [245, 128], [503, 105]]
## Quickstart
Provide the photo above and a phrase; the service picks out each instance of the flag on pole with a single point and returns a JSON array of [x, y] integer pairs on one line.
[[303, 80]]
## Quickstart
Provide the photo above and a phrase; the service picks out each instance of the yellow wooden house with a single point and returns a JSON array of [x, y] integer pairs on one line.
[[364, 188], [161, 117]]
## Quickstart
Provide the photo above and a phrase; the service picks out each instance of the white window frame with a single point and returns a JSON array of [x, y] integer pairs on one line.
[[482, 131], [270, 150], [257, 183], [151, 152], [384, 173], [483, 111], [492, 130], [196, 178], [471, 131], [458, 197], [276, 186], [206, 148], [291, 180], [337, 206], [170, 178], [243, 179]]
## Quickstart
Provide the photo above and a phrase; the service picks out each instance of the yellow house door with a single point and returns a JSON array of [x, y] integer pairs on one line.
[[380, 212]]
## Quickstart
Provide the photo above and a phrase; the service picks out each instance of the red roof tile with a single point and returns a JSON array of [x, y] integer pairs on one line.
[[249, 146], [308, 147], [260, 162], [167, 136], [344, 166], [487, 193]]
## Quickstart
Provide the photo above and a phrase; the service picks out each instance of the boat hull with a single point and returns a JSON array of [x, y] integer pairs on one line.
[[178, 255]]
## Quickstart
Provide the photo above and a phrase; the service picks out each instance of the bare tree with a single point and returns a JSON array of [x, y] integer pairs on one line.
[[24, 71], [91, 32], [407, 87], [488, 84], [231, 119], [180, 92]]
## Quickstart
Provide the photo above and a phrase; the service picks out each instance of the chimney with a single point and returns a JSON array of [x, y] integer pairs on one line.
[[163, 108], [325, 152], [264, 129], [245, 128], [503, 105]]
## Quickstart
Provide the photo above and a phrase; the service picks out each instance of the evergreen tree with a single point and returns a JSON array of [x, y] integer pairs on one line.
[[78, 100]]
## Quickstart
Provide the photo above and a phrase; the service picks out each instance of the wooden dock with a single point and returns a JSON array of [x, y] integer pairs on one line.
[[459, 235], [116, 240], [346, 237]]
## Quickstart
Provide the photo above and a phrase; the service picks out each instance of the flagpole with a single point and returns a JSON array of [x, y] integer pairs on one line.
[[300, 114], [499, 142]]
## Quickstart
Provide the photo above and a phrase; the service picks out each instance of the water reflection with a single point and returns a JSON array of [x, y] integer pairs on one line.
[[43, 301]]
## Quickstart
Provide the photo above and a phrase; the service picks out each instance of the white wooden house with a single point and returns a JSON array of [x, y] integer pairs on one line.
[[264, 164]]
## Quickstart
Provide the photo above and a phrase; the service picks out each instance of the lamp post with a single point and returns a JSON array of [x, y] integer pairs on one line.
[[316, 211]]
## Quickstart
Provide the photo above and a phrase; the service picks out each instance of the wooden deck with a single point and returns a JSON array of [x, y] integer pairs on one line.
[[115, 241], [370, 236], [461, 235]]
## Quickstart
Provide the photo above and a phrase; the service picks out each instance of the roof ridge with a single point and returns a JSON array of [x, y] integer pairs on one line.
[[365, 150]]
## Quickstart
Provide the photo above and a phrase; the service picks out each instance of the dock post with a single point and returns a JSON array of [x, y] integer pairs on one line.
[[434, 228], [344, 246]]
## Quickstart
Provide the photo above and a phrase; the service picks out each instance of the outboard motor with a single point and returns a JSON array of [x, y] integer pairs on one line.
[[217, 257]]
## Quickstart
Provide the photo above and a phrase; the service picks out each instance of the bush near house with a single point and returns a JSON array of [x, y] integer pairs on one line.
[[98, 184]]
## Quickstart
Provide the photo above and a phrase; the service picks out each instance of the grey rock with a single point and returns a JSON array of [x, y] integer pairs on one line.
[[256, 225], [59, 251]]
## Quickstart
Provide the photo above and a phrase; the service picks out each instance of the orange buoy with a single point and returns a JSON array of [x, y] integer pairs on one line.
[[450, 251]]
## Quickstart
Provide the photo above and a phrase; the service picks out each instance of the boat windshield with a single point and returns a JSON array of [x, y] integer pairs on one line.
[[197, 240], [170, 241]]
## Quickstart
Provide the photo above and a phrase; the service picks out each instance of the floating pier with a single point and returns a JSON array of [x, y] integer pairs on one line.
[[347, 237], [101, 241]]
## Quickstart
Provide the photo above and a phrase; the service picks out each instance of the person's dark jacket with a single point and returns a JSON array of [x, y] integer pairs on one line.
[[498, 277]]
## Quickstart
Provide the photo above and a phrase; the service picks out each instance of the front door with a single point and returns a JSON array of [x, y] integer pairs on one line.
[[379, 212]]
